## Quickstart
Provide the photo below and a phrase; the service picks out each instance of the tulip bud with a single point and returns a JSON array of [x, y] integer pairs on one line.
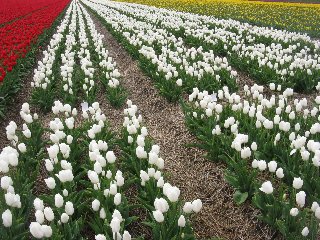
[[58, 200], [64, 218], [51, 183], [117, 199], [279, 173], [36, 230], [305, 231], [39, 216], [196, 205], [7, 218], [297, 183], [69, 208], [100, 237], [158, 216], [294, 212], [95, 205], [187, 208], [48, 213], [115, 225], [181, 221], [267, 187], [126, 236]]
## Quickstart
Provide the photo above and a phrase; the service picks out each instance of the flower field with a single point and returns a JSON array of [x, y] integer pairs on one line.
[[17, 36], [91, 151], [11, 10], [299, 17], [23, 34]]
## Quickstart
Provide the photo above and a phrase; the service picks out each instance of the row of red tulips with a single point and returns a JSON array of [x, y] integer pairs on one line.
[[16, 37], [13, 9]]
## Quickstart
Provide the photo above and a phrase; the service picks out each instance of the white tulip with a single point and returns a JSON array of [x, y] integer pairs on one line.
[[100, 237], [47, 231], [36, 230], [65, 175], [301, 198], [272, 166], [279, 173], [38, 204], [69, 208], [161, 204], [188, 207], [50, 182], [115, 225], [297, 183], [117, 199], [158, 216], [7, 218], [58, 200], [126, 236], [95, 205], [267, 187], [111, 158], [196, 205], [294, 212], [64, 218], [48, 213], [102, 213], [6, 182], [305, 232], [181, 221]]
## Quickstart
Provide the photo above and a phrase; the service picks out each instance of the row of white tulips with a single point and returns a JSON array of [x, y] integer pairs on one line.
[[177, 18], [45, 77], [268, 55], [84, 61], [59, 213], [168, 60], [258, 138], [43, 73], [80, 167], [278, 134], [108, 73], [19, 162], [106, 62]]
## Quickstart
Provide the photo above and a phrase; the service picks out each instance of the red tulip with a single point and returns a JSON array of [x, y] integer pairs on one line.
[[16, 37]]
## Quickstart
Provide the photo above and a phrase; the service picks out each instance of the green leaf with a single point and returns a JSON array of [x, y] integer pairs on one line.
[[258, 155], [150, 224], [281, 226], [257, 201], [233, 181], [130, 220], [240, 197]]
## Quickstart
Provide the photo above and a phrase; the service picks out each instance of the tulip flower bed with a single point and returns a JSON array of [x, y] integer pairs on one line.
[[281, 14], [271, 148], [12, 9], [11, 81], [17, 36], [58, 76], [85, 185], [251, 134], [99, 183], [87, 182], [175, 67], [268, 55]]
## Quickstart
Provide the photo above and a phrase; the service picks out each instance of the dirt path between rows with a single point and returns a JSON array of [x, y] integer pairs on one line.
[[187, 169]]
